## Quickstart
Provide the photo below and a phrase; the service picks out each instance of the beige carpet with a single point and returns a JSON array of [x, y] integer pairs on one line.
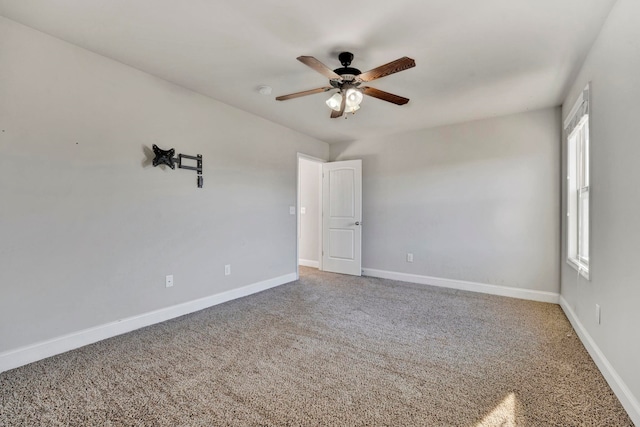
[[327, 350]]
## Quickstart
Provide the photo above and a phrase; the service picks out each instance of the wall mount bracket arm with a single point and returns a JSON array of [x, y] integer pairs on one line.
[[165, 157]]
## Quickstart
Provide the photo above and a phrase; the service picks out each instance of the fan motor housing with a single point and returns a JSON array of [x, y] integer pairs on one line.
[[348, 74], [347, 70], [347, 81]]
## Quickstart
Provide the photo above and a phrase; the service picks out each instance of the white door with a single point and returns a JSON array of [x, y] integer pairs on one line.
[[342, 217]]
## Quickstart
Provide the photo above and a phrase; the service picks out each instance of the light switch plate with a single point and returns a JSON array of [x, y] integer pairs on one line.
[[303, 210], [292, 210], [169, 281]]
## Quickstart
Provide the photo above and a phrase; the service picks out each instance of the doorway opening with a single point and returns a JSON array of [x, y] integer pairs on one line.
[[331, 241], [309, 209]]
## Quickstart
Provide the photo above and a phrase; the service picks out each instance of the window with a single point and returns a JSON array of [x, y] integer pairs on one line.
[[577, 129]]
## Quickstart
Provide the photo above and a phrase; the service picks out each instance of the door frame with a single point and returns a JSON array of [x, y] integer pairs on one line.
[[315, 160]]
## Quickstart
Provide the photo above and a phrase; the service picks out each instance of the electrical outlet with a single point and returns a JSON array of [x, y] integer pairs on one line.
[[227, 270], [303, 210], [409, 257], [169, 281], [598, 318]]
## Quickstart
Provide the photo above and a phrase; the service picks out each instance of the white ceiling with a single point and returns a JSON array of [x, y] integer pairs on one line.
[[474, 59]]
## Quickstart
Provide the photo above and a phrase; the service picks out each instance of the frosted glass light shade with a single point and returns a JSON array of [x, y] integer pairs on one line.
[[354, 98], [335, 102]]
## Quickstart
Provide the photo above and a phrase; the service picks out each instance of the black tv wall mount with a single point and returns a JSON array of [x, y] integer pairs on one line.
[[165, 157]]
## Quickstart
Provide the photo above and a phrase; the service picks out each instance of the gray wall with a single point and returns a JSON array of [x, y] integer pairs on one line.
[[477, 201], [88, 229], [613, 68], [310, 175]]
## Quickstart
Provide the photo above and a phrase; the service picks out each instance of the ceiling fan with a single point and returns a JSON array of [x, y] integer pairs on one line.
[[348, 80]]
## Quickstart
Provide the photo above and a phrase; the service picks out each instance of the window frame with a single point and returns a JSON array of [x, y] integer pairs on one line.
[[578, 185]]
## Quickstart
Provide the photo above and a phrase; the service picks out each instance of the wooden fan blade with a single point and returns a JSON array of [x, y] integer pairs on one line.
[[335, 114], [392, 67], [385, 96], [303, 93], [312, 62]]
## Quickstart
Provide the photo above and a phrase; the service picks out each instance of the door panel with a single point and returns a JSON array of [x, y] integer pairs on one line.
[[342, 217], [341, 244], [342, 203]]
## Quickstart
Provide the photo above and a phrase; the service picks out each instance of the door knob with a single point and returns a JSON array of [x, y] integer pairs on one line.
[[358, 223]]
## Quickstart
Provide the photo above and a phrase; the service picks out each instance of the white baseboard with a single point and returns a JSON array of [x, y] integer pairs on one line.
[[31, 353], [309, 263], [484, 288], [622, 392]]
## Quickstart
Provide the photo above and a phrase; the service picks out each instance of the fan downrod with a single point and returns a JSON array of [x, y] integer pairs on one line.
[[345, 59]]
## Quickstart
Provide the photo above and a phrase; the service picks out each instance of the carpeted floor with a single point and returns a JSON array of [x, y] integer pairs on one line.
[[327, 350]]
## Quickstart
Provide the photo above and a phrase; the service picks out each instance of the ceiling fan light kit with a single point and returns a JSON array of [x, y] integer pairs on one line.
[[335, 101], [348, 80], [354, 97]]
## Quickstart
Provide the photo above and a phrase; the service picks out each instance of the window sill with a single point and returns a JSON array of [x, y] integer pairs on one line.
[[579, 267]]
